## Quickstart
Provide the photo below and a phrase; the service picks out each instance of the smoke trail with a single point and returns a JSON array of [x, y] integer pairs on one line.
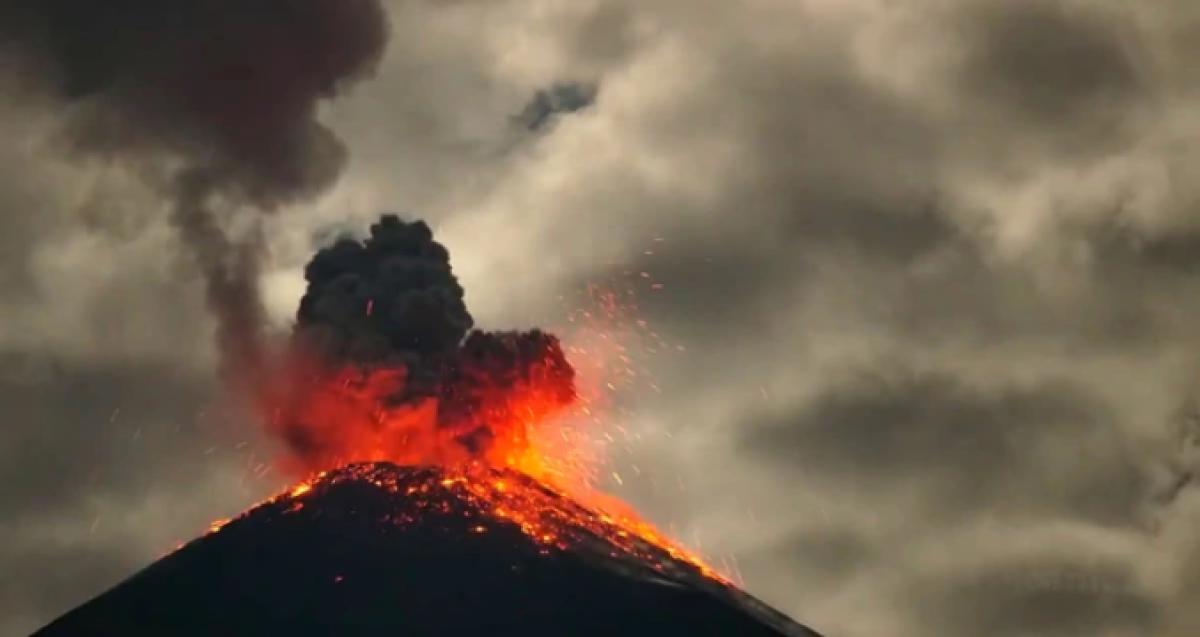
[[222, 92]]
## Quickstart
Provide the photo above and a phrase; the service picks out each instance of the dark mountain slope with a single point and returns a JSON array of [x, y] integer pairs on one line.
[[381, 550]]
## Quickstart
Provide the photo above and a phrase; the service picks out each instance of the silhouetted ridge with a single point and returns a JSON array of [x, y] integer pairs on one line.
[[381, 550]]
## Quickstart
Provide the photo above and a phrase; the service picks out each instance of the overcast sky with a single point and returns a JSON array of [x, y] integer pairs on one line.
[[932, 267]]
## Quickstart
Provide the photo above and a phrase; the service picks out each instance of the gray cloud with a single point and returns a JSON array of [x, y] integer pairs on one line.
[[1046, 597], [106, 467], [1054, 64], [932, 269], [62, 574], [973, 447]]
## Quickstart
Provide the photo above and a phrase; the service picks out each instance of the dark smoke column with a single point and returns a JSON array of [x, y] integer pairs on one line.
[[214, 100], [391, 298], [387, 367]]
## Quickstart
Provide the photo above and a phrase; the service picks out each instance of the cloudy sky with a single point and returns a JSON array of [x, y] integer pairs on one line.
[[932, 269]]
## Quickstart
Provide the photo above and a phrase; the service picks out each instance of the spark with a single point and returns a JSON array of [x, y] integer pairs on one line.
[[547, 436]]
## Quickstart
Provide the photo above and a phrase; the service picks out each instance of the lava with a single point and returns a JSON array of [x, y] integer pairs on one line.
[[383, 366], [487, 496], [482, 409], [380, 549]]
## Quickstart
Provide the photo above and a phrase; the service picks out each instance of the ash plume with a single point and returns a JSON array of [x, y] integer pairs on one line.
[[214, 100], [389, 299], [384, 323]]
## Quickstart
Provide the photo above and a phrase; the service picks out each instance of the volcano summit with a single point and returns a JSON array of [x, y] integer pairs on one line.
[[378, 549], [452, 518]]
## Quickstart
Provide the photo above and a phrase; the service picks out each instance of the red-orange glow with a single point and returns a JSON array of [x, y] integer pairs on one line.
[[331, 417], [545, 515], [551, 427]]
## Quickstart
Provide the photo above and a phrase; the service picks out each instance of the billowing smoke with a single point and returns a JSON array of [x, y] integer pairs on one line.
[[214, 100], [386, 367], [391, 299]]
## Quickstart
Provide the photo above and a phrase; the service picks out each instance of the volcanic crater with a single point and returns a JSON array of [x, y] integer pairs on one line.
[[381, 549]]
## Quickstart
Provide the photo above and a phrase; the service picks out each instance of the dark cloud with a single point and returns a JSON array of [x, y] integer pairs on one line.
[[962, 293], [877, 423], [1166, 255], [605, 36], [17, 245], [932, 266], [1050, 62], [89, 451], [46, 578], [224, 91], [232, 88], [28, 213], [95, 427], [1040, 596], [832, 554], [549, 103], [975, 445], [702, 286]]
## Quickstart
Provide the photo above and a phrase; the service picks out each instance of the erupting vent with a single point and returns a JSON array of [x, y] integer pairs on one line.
[[453, 518], [378, 549]]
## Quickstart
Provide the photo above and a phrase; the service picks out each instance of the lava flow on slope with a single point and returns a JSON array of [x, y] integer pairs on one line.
[[445, 485], [377, 549], [383, 366]]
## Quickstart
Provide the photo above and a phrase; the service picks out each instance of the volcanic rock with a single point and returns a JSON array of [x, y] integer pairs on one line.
[[382, 550]]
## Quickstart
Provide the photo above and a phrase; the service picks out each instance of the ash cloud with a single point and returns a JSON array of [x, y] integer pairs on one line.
[[1048, 596], [963, 227], [215, 101], [106, 466], [392, 303], [391, 296], [1047, 62]]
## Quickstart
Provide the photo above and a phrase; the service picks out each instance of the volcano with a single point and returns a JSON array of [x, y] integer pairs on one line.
[[379, 549]]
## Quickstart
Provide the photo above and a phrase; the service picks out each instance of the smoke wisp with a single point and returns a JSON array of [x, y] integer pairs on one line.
[[215, 101]]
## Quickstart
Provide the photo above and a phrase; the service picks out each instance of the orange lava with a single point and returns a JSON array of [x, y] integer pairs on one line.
[[487, 497], [536, 422], [333, 417]]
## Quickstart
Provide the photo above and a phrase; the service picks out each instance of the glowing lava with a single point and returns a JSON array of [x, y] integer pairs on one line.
[[482, 408], [544, 433], [542, 449], [383, 366], [486, 497]]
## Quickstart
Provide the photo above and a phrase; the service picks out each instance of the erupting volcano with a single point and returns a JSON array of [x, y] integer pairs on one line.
[[381, 365], [378, 549], [441, 491]]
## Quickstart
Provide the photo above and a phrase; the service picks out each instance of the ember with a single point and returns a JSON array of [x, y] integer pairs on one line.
[[378, 549], [383, 366], [488, 496]]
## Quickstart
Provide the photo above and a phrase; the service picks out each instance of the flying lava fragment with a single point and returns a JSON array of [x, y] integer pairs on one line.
[[425, 503], [378, 549]]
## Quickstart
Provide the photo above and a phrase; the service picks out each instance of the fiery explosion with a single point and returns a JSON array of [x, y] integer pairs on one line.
[[216, 104], [383, 366]]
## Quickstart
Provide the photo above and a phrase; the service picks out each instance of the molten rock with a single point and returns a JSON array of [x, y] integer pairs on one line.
[[384, 365], [377, 549]]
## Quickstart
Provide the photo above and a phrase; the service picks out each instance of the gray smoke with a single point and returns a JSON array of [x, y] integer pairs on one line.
[[223, 93]]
